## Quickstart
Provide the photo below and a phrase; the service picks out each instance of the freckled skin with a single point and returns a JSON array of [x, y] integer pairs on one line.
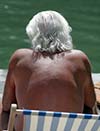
[[55, 82]]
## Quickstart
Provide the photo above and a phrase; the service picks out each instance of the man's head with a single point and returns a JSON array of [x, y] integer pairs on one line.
[[50, 32]]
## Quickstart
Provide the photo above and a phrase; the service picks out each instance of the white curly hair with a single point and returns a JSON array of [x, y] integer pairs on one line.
[[49, 31]]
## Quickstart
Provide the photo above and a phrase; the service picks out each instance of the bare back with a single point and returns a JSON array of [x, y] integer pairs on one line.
[[48, 83], [57, 82]]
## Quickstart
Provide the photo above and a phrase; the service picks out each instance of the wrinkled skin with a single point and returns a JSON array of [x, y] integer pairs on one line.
[[55, 82]]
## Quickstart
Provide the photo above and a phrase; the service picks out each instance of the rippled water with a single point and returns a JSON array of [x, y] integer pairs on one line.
[[2, 79], [84, 17]]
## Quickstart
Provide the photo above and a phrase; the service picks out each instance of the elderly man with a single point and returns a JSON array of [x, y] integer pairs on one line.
[[50, 76]]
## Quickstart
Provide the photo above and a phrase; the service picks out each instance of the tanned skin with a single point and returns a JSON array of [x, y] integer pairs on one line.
[[55, 82]]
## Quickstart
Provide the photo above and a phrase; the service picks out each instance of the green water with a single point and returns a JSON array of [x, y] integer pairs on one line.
[[83, 16]]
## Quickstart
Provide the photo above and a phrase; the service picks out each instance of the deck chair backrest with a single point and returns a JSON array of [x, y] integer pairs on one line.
[[56, 121]]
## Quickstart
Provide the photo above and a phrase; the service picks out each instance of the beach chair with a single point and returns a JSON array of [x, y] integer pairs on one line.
[[35, 120]]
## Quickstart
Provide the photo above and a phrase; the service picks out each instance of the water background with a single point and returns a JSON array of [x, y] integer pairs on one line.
[[83, 16]]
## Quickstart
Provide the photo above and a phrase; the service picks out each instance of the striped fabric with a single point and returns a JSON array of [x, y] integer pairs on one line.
[[59, 121]]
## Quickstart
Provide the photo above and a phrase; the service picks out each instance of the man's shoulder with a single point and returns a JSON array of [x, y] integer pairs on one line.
[[18, 55], [74, 51], [79, 54], [21, 53]]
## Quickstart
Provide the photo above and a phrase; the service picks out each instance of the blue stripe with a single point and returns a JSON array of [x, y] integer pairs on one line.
[[42, 113], [41, 120], [57, 114], [55, 121], [72, 115], [96, 125], [69, 124], [27, 122], [27, 112], [83, 124], [87, 116], [99, 117]]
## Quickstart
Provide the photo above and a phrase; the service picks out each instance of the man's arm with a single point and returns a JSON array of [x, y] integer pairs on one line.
[[8, 97], [89, 92]]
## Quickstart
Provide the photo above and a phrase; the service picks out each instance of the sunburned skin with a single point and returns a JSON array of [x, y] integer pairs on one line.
[[58, 82]]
